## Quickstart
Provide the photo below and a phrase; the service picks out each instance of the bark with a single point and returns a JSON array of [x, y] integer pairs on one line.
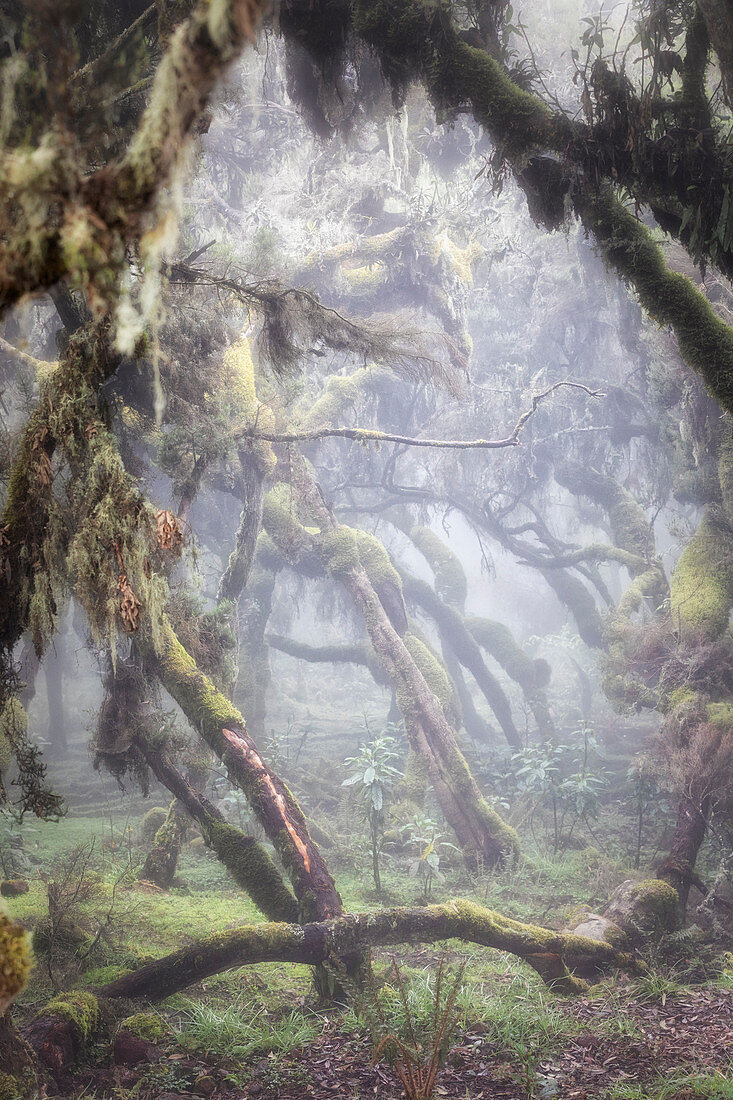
[[246, 860], [550, 953], [236, 574], [20, 1073], [689, 833], [453, 633], [718, 16]]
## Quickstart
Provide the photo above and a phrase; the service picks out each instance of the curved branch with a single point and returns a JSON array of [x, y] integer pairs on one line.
[[549, 953]]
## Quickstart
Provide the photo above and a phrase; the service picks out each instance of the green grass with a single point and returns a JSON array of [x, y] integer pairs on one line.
[[245, 1028], [672, 1086]]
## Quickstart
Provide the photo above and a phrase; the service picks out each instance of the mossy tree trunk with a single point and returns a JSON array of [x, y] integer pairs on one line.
[[162, 859], [223, 729], [246, 860], [483, 837]]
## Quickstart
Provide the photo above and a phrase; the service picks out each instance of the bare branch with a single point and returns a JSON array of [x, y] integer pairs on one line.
[[371, 435]]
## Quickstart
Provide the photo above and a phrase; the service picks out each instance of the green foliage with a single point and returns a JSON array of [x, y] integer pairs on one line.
[[374, 771], [429, 843]]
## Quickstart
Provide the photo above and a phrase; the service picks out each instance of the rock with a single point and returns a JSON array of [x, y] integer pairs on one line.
[[644, 909], [597, 927], [204, 1085], [130, 1049]]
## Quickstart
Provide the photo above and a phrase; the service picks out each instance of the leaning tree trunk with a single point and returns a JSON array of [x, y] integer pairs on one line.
[[689, 833], [223, 729], [484, 838], [244, 857]]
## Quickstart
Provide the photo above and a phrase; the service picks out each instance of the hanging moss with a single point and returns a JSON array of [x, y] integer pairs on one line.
[[701, 588], [450, 578]]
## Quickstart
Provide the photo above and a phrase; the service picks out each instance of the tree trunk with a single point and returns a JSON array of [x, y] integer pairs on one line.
[[678, 869], [484, 838], [246, 860], [162, 859], [53, 671], [20, 1076], [549, 953], [223, 729]]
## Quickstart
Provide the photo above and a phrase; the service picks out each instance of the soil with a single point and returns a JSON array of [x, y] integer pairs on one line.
[[690, 1031]]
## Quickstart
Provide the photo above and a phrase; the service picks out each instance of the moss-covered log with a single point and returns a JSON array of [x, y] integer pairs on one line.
[[550, 953]]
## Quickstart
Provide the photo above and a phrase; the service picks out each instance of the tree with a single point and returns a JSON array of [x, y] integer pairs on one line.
[[76, 516]]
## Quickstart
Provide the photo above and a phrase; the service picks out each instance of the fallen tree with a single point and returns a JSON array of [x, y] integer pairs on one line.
[[552, 954]]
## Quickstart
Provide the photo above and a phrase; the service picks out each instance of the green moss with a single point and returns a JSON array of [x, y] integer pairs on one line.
[[376, 561], [435, 676], [721, 715], [151, 822], [499, 641], [450, 578], [145, 1025], [701, 589], [16, 958], [415, 782], [251, 868], [705, 341], [280, 520], [80, 1008], [339, 550], [22, 1086]]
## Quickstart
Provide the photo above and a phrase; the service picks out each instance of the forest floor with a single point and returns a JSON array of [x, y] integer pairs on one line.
[[258, 1033]]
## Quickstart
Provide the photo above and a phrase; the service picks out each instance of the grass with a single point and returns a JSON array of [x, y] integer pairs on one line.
[[245, 1028], [678, 1085]]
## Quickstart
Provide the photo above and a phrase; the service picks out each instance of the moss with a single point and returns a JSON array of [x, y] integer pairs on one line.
[[415, 782], [280, 520], [145, 1025], [251, 868], [499, 641], [339, 550], [701, 588], [503, 836], [705, 341], [376, 561], [721, 715], [450, 578], [151, 822], [435, 676], [16, 958], [417, 39], [23, 1086], [366, 281], [80, 1008]]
